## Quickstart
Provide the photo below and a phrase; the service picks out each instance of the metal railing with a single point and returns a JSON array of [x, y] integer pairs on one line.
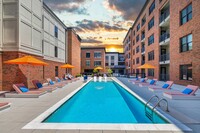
[[164, 77], [142, 36], [164, 15], [164, 57], [142, 62], [143, 49], [164, 36]]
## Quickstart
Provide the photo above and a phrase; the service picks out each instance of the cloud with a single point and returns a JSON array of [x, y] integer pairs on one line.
[[72, 6], [129, 9], [92, 26]]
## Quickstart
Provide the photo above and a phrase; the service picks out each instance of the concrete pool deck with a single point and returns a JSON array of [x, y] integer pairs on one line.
[[24, 110]]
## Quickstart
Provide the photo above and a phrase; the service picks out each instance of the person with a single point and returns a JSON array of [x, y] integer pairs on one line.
[[85, 78]]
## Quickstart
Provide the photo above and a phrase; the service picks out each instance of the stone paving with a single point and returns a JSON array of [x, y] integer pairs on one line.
[[24, 110]]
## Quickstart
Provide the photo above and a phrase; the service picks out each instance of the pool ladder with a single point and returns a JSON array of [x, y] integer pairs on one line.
[[150, 114]]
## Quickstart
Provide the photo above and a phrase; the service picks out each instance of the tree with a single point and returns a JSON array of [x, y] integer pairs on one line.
[[95, 71], [109, 71]]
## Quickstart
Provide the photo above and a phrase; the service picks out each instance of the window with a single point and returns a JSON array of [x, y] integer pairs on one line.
[[106, 64], [112, 64], [138, 27], [143, 35], [107, 58], [186, 14], [137, 71], [186, 43], [152, 7], [151, 55], [151, 23], [87, 55], [97, 54], [112, 57], [143, 20], [56, 51], [133, 42], [97, 63], [137, 49], [151, 72], [137, 60], [56, 71], [56, 31], [151, 40], [137, 38], [186, 72], [87, 62]]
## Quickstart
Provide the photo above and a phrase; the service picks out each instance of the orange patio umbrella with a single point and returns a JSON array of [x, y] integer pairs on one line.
[[26, 60], [146, 66], [98, 68], [67, 66]]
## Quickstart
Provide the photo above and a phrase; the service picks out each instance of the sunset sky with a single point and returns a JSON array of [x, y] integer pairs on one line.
[[98, 22]]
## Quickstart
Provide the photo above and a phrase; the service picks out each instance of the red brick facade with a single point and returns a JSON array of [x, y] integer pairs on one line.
[[172, 25], [92, 50], [74, 52], [12, 74]]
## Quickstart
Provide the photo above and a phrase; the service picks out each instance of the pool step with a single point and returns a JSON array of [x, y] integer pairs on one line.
[[149, 115]]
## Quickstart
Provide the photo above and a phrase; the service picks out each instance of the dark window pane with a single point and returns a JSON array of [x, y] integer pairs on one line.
[[189, 16]]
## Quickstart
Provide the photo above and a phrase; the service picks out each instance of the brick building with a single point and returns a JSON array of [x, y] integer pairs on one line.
[[92, 57], [166, 35], [30, 28], [73, 56]]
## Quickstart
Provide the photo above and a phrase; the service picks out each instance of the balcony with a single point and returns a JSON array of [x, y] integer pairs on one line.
[[164, 77], [142, 37], [119, 67], [164, 59], [143, 50], [142, 62], [164, 18], [164, 39]]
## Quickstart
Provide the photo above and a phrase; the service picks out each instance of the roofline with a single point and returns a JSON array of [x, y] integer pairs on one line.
[[72, 29], [93, 48], [141, 11], [52, 13], [127, 34]]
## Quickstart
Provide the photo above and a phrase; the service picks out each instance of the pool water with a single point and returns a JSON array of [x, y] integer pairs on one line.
[[102, 102]]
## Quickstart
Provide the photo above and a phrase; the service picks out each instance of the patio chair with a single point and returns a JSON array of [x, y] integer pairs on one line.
[[166, 86], [59, 85], [21, 91], [152, 82], [188, 92], [61, 80], [142, 80], [38, 85], [4, 106]]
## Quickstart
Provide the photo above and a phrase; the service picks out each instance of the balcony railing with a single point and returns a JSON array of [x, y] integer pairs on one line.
[[164, 36], [164, 57], [142, 36], [164, 77], [118, 66], [143, 49], [142, 62], [164, 15]]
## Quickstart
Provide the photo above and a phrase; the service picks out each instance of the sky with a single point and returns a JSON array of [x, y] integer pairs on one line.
[[98, 22]]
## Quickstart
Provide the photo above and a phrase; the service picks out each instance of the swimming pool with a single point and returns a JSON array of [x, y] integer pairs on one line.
[[102, 102], [46, 121]]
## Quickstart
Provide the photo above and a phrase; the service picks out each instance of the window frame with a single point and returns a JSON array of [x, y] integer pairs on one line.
[[185, 71], [151, 41], [187, 43], [151, 23], [152, 7], [186, 15], [86, 54]]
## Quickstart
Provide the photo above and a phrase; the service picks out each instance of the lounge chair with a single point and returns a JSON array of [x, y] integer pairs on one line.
[[70, 77], [142, 80], [152, 82], [166, 86], [59, 85], [21, 91], [4, 106], [187, 93], [40, 87], [62, 80]]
